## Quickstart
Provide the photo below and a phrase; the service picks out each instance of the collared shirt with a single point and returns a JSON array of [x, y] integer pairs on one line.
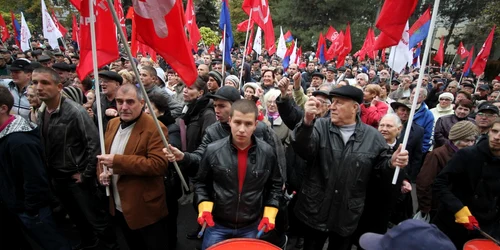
[[21, 104]]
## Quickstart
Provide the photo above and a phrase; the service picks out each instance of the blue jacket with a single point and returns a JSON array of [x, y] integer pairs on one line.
[[424, 118]]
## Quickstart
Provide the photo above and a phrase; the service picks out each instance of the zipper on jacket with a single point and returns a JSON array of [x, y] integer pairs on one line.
[[237, 210]]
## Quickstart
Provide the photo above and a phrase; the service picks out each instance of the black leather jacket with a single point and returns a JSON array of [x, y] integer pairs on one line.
[[217, 181], [218, 131], [72, 142], [332, 196]]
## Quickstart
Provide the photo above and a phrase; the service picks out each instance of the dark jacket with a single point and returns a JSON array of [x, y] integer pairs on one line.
[[333, 192], [218, 131], [290, 113], [198, 117], [471, 178], [443, 127], [217, 181], [434, 163], [72, 142], [24, 185], [175, 107], [414, 148], [105, 104], [425, 119]]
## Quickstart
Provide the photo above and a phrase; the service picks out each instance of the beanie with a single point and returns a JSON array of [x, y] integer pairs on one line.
[[217, 77], [447, 95], [234, 79], [462, 130], [75, 94]]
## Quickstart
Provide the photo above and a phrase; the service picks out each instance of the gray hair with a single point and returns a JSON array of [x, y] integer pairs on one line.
[[127, 87], [364, 76], [395, 118]]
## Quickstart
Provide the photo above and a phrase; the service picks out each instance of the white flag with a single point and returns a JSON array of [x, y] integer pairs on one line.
[[281, 51], [25, 34], [257, 44], [401, 54], [50, 31], [293, 56]]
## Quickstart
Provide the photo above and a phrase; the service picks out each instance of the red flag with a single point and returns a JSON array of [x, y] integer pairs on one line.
[[347, 46], [337, 45], [133, 37], [391, 25], [262, 17], [59, 25], [250, 43], [162, 28], [119, 12], [468, 63], [372, 54], [365, 48], [14, 29], [482, 57], [321, 43], [106, 44], [331, 34], [462, 51], [192, 27], [211, 49], [299, 55], [242, 27], [3, 29], [440, 53], [383, 55], [74, 32]]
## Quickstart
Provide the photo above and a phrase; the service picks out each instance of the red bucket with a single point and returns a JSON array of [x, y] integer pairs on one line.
[[243, 243], [481, 244]]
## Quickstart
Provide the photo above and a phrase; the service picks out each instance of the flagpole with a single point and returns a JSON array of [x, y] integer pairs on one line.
[[419, 85], [452, 62], [223, 55], [96, 87], [460, 81], [393, 60], [245, 49], [64, 44], [146, 98]]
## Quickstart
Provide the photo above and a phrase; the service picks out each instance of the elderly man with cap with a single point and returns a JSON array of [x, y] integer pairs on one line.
[[414, 146], [64, 70], [468, 87], [344, 153], [223, 100], [317, 79], [21, 78], [214, 81], [109, 81], [462, 134], [486, 114], [58, 55], [443, 125], [482, 92], [444, 107], [468, 189], [330, 76], [45, 60]]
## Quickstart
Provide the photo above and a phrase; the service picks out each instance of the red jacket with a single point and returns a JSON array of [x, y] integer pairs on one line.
[[372, 115]]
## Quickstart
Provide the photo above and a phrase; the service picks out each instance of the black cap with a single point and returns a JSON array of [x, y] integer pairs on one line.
[[318, 74], [111, 75], [395, 81], [332, 69], [21, 65], [37, 52], [58, 53], [342, 69], [44, 58], [3, 50], [76, 57], [470, 85], [348, 92], [488, 106], [72, 67], [321, 92], [36, 65], [216, 61], [227, 93], [396, 105], [484, 87], [61, 66]]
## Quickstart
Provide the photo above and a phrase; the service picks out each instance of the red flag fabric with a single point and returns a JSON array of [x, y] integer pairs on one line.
[[192, 27], [482, 57], [468, 63], [337, 45], [383, 55], [331, 34], [262, 17], [372, 54], [211, 49], [440, 53], [462, 51], [3, 29], [242, 27], [391, 25], [106, 44], [59, 25], [250, 43], [14, 30], [75, 29], [134, 46], [321, 42], [365, 48], [347, 46], [299, 55], [162, 28], [119, 12]]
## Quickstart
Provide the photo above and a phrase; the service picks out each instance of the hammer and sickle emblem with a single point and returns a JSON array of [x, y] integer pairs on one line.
[[263, 17], [156, 11]]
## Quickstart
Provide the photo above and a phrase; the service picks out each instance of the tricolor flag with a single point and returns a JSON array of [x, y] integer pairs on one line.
[[286, 60], [468, 63], [225, 24], [321, 49], [419, 30], [16, 28], [288, 37]]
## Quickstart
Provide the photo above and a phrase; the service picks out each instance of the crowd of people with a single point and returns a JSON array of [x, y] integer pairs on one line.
[[307, 152]]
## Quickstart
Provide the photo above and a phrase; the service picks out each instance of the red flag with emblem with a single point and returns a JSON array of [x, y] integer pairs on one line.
[[192, 27], [262, 17], [106, 44], [482, 57], [119, 12], [346, 47], [337, 45], [331, 34], [3, 29], [392, 25], [59, 25], [462, 51], [161, 25]]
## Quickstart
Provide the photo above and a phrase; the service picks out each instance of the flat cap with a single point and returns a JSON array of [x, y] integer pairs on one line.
[[111, 75], [227, 93], [318, 74], [62, 67], [348, 92]]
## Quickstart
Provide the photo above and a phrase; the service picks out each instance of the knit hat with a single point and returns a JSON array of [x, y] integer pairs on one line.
[[447, 95], [234, 79], [462, 130], [75, 94], [217, 77]]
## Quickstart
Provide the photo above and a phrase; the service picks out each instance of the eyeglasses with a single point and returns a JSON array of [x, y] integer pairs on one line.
[[486, 115]]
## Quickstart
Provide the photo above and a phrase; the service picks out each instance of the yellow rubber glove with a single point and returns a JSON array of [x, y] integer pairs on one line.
[[268, 219], [465, 218], [205, 213]]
